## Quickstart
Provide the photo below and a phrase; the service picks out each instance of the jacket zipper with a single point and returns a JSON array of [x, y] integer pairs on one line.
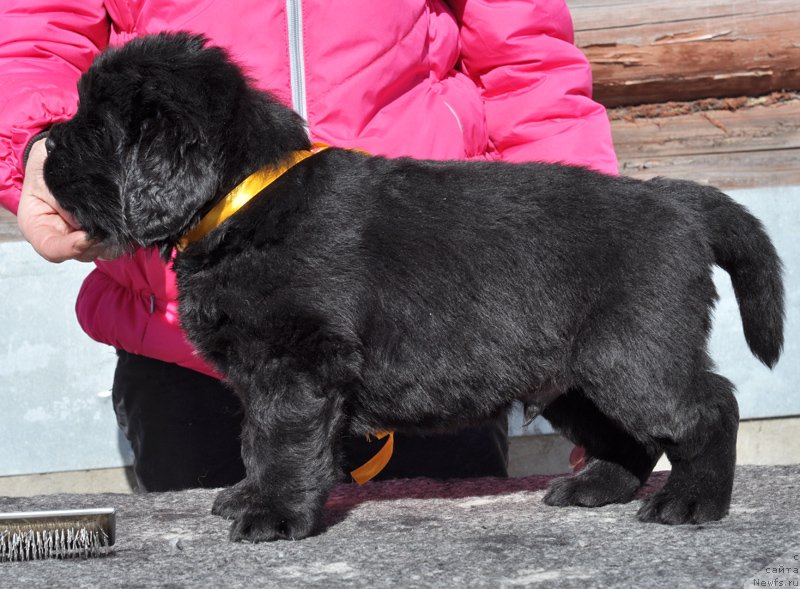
[[297, 66]]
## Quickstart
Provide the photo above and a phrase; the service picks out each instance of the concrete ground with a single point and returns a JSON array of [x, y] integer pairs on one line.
[[492, 533], [761, 442]]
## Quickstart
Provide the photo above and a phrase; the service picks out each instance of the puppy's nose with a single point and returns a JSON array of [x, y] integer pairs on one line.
[[49, 145]]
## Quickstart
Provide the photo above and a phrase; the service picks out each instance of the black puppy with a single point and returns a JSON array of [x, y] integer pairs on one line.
[[358, 293]]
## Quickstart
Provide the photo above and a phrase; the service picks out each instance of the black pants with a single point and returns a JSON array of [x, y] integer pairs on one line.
[[184, 429]]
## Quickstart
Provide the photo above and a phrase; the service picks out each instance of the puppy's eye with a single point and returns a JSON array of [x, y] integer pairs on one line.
[[49, 145]]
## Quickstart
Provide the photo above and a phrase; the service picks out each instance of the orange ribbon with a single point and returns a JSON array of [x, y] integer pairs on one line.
[[377, 463]]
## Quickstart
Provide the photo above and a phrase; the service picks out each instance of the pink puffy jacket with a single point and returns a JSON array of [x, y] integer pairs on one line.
[[466, 79]]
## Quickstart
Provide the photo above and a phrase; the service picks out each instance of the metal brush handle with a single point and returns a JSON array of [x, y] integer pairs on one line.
[[103, 519], [60, 513]]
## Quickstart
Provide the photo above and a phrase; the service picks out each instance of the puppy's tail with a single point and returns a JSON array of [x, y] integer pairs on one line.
[[742, 248]]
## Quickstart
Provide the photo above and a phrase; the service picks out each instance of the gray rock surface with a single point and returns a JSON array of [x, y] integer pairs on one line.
[[424, 533]]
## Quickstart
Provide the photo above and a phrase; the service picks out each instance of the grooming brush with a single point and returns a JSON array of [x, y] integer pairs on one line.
[[74, 533]]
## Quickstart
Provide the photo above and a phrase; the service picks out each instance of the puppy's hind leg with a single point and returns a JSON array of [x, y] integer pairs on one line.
[[703, 458], [618, 464], [289, 442]]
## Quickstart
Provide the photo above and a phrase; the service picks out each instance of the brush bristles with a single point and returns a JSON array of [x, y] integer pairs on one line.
[[76, 534]]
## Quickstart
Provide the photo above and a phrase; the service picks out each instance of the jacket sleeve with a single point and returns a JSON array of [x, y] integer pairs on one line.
[[44, 47], [536, 85]]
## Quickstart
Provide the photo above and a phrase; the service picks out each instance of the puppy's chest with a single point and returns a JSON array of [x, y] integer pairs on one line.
[[204, 308], [231, 305], [213, 300]]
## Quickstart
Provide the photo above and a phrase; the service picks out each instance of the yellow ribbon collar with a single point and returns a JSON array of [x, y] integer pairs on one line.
[[244, 193]]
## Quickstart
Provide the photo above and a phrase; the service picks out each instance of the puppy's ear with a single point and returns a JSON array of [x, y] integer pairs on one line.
[[169, 175]]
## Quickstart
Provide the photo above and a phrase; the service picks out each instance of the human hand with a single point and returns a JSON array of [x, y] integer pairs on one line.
[[45, 225]]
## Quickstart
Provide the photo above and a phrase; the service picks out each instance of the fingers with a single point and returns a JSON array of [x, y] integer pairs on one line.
[[74, 246], [49, 229], [56, 240]]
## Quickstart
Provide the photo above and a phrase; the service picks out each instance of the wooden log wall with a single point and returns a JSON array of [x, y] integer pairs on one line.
[[707, 90], [655, 50], [747, 142], [8, 227]]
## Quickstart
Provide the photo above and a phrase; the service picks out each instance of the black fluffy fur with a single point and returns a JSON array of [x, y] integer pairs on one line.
[[361, 293]]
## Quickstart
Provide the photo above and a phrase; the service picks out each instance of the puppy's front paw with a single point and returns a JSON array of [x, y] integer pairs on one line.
[[257, 518], [232, 502], [265, 525]]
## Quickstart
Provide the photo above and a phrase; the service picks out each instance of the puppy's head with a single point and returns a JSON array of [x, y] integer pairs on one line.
[[146, 151]]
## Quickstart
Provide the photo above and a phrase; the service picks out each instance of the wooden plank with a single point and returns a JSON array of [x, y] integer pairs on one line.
[[645, 51], [727, 171], [754, 142], [8, 227]]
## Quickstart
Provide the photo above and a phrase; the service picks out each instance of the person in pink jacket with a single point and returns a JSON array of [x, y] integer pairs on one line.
[[466, 79]]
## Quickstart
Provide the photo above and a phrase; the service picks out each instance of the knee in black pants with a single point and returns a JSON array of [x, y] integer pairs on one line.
[[183, 426]]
